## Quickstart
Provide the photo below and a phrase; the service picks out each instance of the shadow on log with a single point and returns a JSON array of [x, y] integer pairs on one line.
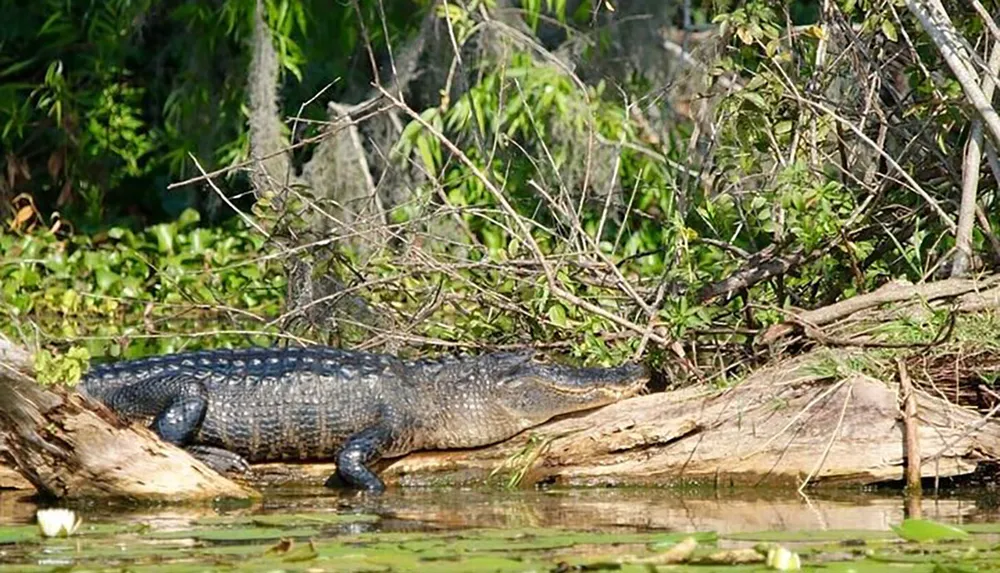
[[67, 446]]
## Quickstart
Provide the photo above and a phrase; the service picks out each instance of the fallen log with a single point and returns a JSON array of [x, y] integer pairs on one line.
[[807, 420], [67, 446]]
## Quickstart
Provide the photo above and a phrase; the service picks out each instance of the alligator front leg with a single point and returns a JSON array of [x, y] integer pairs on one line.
[[357, 452]]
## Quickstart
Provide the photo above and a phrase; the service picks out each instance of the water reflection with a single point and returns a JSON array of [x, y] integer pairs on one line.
[[632, 509]]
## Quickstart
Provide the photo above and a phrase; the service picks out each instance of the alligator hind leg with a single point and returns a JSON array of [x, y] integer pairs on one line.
[[357, 452], [180, 420], [220, 460]]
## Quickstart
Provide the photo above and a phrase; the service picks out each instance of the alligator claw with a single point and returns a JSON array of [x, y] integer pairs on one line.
[[220, 460]]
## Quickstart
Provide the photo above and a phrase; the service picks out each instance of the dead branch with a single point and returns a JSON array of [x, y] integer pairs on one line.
[[970, 175], [760, 267], [867, 342], [979, 300], [895, 291], [911, 428]]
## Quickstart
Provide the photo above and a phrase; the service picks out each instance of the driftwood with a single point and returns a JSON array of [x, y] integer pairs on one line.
[[14, 357], [782, 426], [68, 446]]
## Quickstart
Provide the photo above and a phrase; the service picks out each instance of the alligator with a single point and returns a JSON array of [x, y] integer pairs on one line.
[[230, 408]]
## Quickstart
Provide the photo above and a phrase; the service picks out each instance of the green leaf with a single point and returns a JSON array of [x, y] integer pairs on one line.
[[889, 29], [557, 314], [189, 218], [164, 234], [921, 530], [105, 279], [754, 98], [782, 127]]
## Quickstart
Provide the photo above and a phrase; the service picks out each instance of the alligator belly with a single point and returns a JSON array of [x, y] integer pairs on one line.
[[263, 433]]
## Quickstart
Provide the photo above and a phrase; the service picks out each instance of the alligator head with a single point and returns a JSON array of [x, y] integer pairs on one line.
[[483, 400], [535, 392]]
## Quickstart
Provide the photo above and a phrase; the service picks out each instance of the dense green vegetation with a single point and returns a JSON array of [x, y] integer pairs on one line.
[[90, 290], [102, 103], [597, 206]]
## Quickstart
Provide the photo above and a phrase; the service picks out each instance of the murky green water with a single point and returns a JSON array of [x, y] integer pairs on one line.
[[479, 530]]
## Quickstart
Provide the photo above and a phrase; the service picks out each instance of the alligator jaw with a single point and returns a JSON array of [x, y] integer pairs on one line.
[[615, 383], [537, 392]]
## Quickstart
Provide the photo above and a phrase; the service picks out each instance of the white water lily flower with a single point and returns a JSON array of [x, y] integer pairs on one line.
[[56, 522], [783, 560]]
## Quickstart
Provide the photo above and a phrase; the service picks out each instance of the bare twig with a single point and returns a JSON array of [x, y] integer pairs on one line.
[[911, 428], [970, 176]]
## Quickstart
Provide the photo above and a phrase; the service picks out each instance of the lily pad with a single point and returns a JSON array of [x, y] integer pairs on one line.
[[236, 534], [106, 552], [981, 527], [921, 530], [106, 529], [19, 533]]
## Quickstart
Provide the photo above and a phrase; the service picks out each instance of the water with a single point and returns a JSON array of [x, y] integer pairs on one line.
[[644, 509], [430, 530]]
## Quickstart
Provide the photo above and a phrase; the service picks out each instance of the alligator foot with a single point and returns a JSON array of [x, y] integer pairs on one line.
[[220, 460], [358, 451]]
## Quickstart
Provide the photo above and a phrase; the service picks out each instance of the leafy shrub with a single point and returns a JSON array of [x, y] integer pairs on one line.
[[172, 286]]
